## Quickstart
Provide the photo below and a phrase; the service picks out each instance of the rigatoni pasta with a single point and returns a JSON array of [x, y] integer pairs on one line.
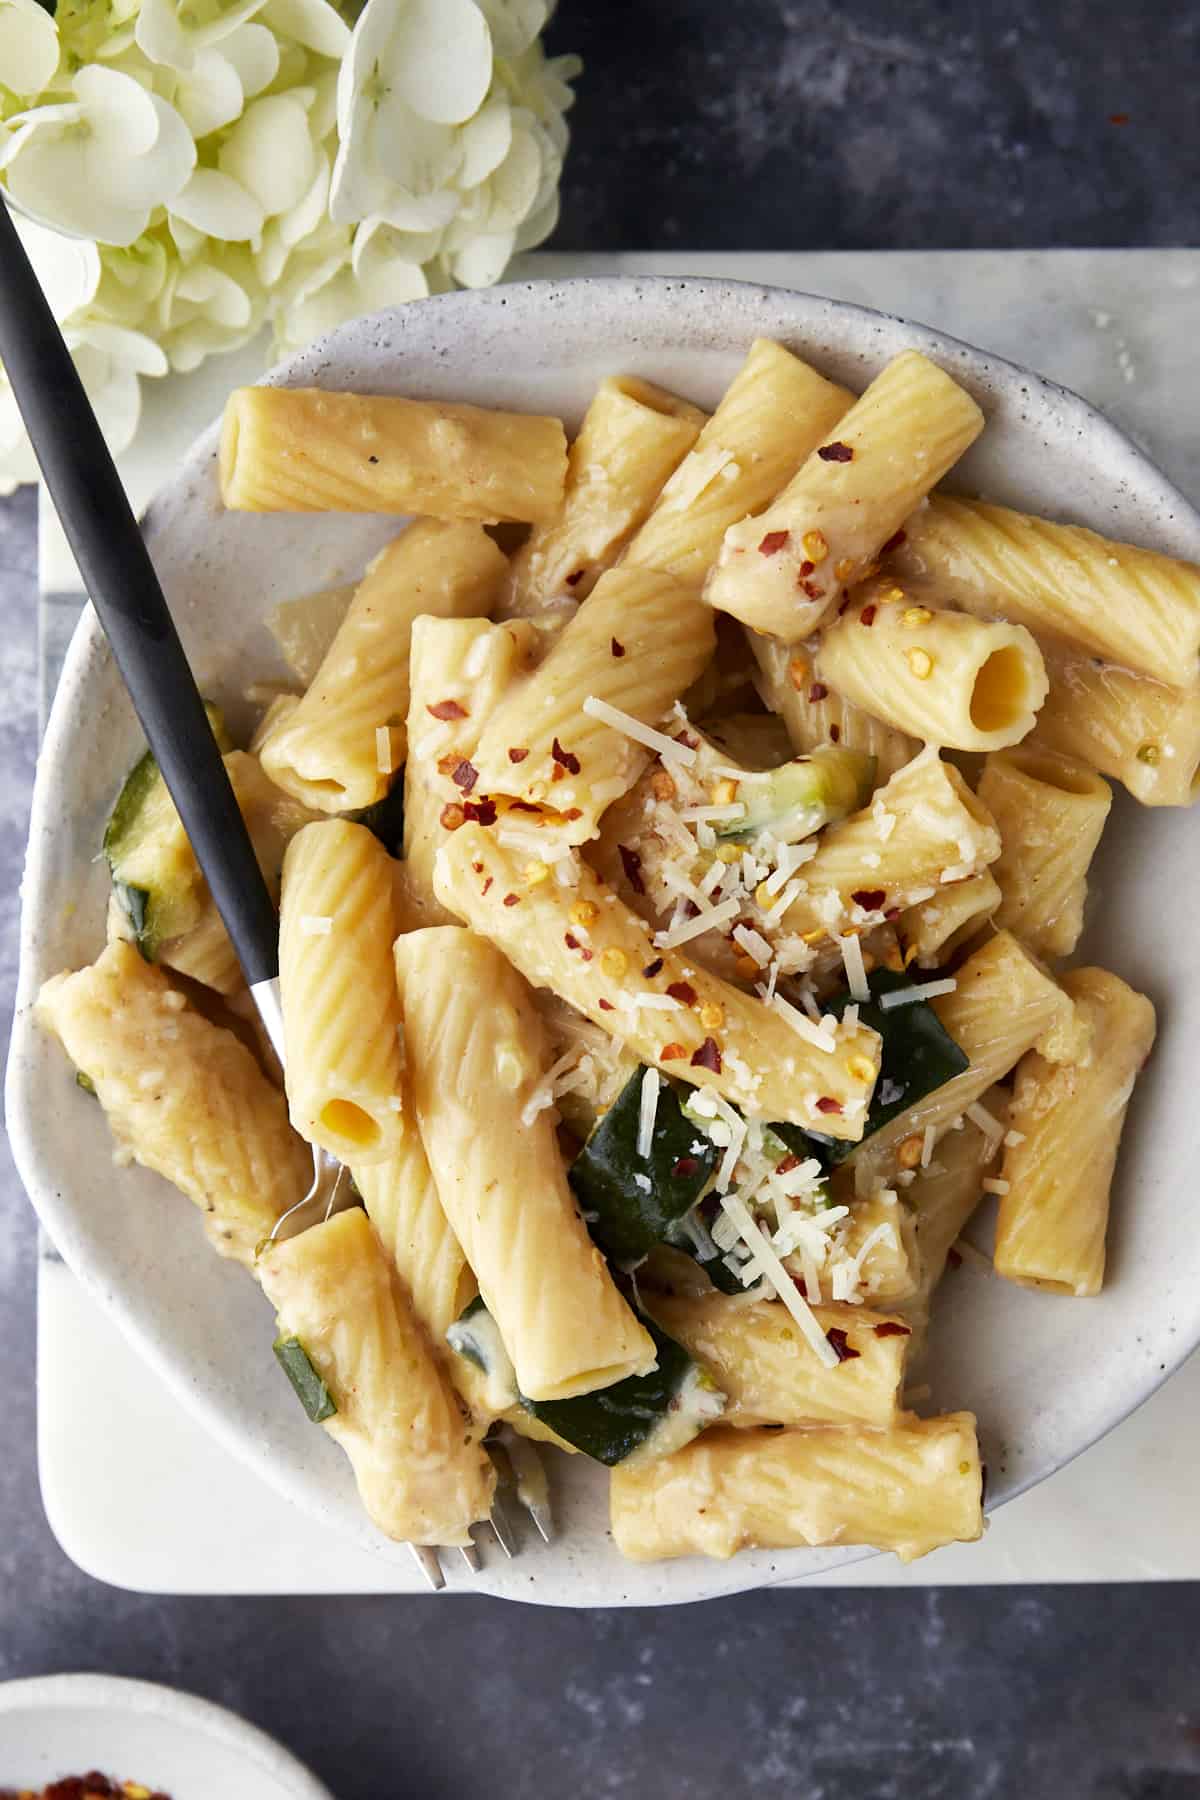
[[309, 450], [932, 930], [907, 1489], [774, 412], [934, 674], [1132, 606], [633, 437], [341, 1015], [422, 1474], [783, 571], [475, 1072], [339, 749], [1066, 1121], [814, 714], [182, 1096], [1050, 812]]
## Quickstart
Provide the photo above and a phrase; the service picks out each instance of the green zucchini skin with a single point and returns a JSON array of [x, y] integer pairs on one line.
[[919, 1055], [625, 1216], [614, 1422], [148, 909], [800, 797], [311, 1391]]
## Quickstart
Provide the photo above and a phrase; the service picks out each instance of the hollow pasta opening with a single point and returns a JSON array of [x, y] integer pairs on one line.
[[1001, 693], [342, 1119]]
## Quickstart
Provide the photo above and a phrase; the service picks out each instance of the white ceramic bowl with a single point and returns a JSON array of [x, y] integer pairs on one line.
[[1047, 1376], [60, 1725]]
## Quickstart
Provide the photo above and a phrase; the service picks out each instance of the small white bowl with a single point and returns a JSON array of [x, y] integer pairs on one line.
[[1047, 1376], [59, 1725]]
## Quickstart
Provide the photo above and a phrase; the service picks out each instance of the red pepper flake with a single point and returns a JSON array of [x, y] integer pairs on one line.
[[845, 603], [631, 862], [818, 691], [512, 899], [894, 542], [685, 1168], [827, 1104], [572, 813], [836, 453], [606, 1006], [708, 1056], [575, 579], [558, 773], [774, 542], [671, 1052], [447, 709], [835, 732], [448, 763], [477, 867], [867, 615], [487, 884], [806, 568], [954, 1258], [682, 991], [517, 756], [813, 589], [483, 812], [788, 1163], [870, 899], [653, 968], [565, 758], [573, 943], [465, 776], [893, 1328], [452, 816], [837, 1337], [617, 649]]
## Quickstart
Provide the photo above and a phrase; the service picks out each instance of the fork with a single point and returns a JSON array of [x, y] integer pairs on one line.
[[124, 589]]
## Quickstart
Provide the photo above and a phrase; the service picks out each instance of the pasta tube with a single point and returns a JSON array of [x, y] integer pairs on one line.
[[635, 644], [815, 715], [922, 831], [1069, 1117], [909, 1489], [597, 954], [1141, 732], [935, 928], [1132, 606], [339, 748], [633, 437], [881, 1234], [422, 1475], [774, 413], [341, 1016], [308, 450], [460, 669], [1003, 1004], [782, 571], [402, 1203], [943, 1197], [946, 677], [182, 1096], [499, 1172], [1051, 813], [756, 1356]]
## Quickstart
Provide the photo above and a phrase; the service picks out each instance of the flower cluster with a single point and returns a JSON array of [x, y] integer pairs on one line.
[[187, 172]]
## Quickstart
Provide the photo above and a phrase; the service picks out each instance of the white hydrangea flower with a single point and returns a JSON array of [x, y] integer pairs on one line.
[[223, 165]]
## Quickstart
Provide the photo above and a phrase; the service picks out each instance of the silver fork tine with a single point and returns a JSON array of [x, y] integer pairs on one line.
[[427, 1561], [529, 1479], [501, 1525], [470, 1556]]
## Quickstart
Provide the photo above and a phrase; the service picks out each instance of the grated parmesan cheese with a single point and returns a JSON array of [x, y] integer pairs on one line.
[[993, 1185], [987, 1122], [383, 749], [624, 722], [315, 924], [765, 1262], [927, 1143], [856, 971], [692, 815], [925, 990], [753, 943], [647, 1112], [1013, 1138], [816, 1035], [707, 920]]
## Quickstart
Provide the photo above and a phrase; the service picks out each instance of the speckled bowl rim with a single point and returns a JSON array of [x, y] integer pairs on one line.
[[855, 339]]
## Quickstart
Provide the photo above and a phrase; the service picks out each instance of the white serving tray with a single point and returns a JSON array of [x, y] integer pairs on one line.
[[173, 1513]]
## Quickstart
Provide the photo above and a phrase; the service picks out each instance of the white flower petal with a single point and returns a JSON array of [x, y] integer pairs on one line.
[[376, 244], [313, 23], [322, 114], [254, 53], [160, 36], [391, 281], [115, 393], [155, 178], [439, 59], [415, 154], [68, 269], [188, 241], [304, 218], [130, 350], [219, 206], [484, 260], [515, 23], [368, 41], [50, 180], [28, 46], [270, 152], [486, 140], [538, 225], [209, 96], [515, 186], [118, 110], [223, 301], [226, 19], [421, 213], [271, 255]]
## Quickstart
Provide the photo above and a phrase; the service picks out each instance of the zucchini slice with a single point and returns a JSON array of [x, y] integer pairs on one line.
[[632, 1203], [793, 801], [154, 874]]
